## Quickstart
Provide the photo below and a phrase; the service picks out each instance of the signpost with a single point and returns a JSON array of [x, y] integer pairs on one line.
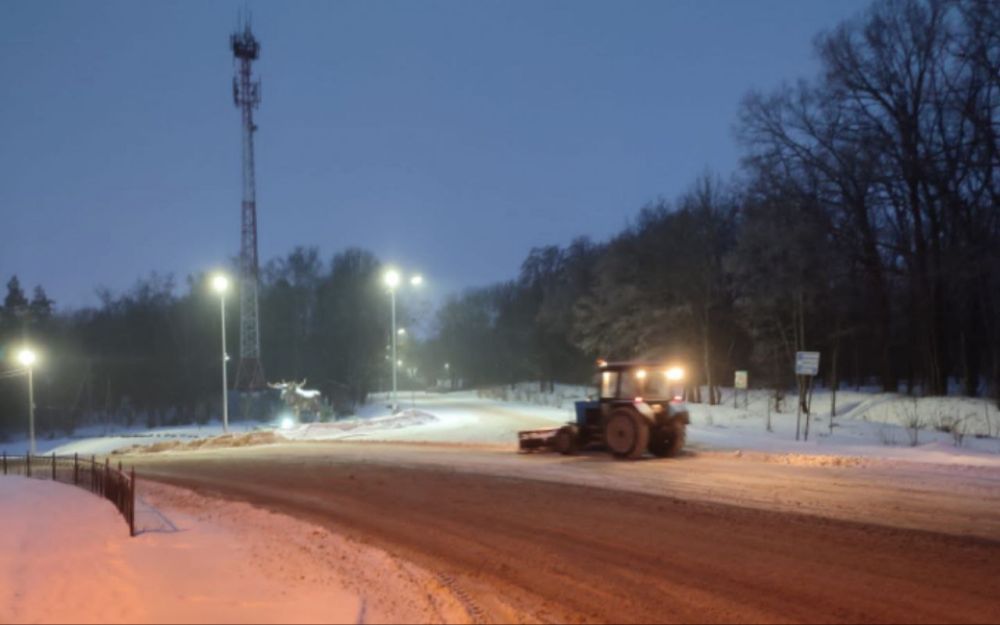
[[740, 383], [806, 367], [806, 363]]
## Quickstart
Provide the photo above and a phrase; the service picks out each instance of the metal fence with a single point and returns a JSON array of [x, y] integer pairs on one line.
[[114, 484]]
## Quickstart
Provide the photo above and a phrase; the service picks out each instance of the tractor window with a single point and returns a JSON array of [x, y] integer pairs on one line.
[[609, 384], [657, 386], [632, 385]]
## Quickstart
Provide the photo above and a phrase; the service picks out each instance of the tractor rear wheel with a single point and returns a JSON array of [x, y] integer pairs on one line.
[[566, 440], [626, 434], [667, 441]]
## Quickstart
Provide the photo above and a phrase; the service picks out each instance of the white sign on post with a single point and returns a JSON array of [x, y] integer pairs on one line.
[[806, 363], [741, 380]]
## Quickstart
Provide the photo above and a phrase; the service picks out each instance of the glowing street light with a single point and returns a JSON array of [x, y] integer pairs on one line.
[[220, 284], [392, 280], [27, 357]]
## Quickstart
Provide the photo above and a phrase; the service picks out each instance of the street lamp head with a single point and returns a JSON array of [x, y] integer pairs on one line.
[[417, 280], [27, 357], [401, 331], [391, 278], [220, 283]]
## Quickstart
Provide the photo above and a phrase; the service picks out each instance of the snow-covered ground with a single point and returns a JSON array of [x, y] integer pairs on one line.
[[195, 560], [872, 425], [867, 425]]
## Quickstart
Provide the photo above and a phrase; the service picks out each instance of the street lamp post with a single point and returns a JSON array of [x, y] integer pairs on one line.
[[220, 284], [392, 280], [27, 358]]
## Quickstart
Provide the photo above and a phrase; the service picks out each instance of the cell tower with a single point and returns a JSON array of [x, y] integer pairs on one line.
[[246, 95]]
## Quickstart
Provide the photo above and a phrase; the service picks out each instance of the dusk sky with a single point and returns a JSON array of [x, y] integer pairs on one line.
[[448, 137]]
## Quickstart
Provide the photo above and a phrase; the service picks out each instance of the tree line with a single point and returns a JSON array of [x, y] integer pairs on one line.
[[864, 222], [150, 355]]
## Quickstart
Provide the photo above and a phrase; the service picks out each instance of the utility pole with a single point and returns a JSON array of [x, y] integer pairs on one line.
[[395, 363]]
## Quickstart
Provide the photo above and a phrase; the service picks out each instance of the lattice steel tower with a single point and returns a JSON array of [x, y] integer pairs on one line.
[[246, 95]]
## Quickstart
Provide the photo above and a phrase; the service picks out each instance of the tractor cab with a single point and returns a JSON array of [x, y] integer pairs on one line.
[[655, 385]]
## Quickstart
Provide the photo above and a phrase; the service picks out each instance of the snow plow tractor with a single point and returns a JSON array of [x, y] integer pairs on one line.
[[639, 408]]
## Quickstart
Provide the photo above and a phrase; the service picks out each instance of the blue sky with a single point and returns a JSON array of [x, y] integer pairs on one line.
[[449, 137]]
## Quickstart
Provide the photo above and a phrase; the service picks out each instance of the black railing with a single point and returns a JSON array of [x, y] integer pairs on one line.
[[115, 485]]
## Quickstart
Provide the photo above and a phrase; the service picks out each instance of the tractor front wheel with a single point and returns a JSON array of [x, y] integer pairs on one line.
[[626, 434]]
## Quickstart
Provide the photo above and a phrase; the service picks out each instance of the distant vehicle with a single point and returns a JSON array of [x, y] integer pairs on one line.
[[639, 407]]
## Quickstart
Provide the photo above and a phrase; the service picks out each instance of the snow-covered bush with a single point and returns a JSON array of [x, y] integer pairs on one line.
[[909, 416]]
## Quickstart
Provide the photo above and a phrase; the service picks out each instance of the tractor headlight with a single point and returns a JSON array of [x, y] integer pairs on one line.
[[675, 374]]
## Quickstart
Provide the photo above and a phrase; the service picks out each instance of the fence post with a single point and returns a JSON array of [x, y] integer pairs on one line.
[[131, 506], [53, 466], [5, 463], [93, 473], [28, 464], [76, 468], [107, 476], [122, 493]]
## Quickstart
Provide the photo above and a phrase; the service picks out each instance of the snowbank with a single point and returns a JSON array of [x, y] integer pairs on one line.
[[100, 440], [462, 417], [357, 426], [195, 560]]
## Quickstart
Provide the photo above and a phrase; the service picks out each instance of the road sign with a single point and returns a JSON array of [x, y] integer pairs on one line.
[[806, 363], [741, 380]]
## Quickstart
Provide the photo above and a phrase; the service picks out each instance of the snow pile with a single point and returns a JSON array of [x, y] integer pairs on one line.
[[101, 440], [457, 418], [357, 426], [195, 560], [214, 442]]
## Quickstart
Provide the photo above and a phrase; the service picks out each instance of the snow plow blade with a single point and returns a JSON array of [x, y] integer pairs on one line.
[[535, 440]]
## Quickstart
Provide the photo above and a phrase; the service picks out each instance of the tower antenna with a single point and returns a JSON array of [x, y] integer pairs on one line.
[[246, 96]]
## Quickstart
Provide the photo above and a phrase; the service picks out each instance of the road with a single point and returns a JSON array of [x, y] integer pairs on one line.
[[703, 538]]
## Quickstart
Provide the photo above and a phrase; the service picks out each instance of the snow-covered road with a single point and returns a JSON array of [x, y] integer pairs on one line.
[[458, 527], [845, 529], [706, 537]]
